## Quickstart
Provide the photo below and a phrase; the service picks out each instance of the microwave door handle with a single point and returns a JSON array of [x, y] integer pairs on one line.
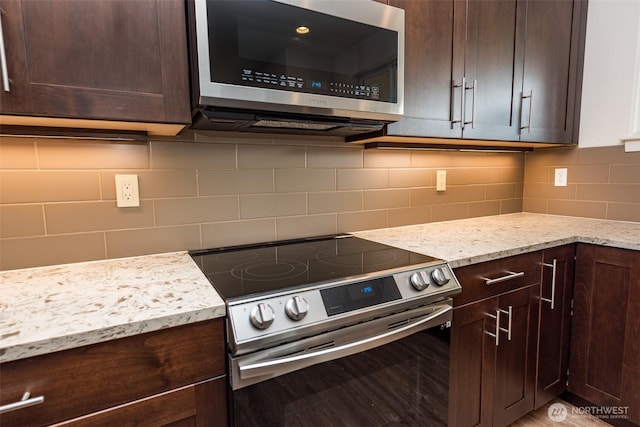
[[279, 366]]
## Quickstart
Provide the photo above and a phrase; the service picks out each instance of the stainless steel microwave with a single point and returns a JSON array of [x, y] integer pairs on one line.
[[307, 66]]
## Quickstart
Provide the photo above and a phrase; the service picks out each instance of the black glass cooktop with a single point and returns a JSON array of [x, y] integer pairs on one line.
[[247, 270]]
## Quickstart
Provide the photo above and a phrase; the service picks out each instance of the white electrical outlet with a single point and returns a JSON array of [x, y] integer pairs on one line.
[[561, 177], [127, 194], [441, 180]]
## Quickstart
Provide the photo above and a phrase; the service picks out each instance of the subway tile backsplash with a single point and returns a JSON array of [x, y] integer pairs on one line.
[[57, 197], [603, 183]]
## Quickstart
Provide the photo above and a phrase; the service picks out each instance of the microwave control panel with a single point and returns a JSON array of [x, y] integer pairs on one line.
[[296, 83]]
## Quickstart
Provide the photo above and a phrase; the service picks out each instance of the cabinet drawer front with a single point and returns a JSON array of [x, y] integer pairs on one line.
[[200, 404], [83, 380], [495, 277]]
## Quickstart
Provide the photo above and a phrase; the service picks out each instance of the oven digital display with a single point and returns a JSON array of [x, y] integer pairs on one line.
[[342, 299]]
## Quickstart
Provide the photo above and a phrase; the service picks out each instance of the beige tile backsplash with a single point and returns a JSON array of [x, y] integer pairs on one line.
[[57, 197], [21, 220], [603, 182], [39, 186]]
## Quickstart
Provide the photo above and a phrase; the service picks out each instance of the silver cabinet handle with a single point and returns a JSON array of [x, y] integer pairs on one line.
[[299, 361], [26, 401], [530, 97], [510, 313], [510, 276], [495, 335], [3, 58], [552, 301], [473, 104], [462, 87]]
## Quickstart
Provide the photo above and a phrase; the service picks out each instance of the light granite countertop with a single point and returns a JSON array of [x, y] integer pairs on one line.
[[47, 309], [474, 240]]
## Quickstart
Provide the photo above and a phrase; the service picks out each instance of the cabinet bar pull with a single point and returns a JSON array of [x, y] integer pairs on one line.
[[462, 87], [553, 265], [473, 104], [511, 275], [3, 58], [497, 334], [510, 313], [26, 401], [530, 97]]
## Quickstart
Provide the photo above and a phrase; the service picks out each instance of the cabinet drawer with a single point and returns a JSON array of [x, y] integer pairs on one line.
[[201, 404], [83, 380], [492, 278]]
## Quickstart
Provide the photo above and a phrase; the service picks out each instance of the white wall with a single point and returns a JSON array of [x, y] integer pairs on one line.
[[611, 87]]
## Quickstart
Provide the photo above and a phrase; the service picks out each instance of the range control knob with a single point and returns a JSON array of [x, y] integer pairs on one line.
[[262, 316], [419, 281], [296, 308], [439, 276]]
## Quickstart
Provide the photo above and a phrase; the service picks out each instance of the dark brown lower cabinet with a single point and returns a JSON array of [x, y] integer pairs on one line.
[[515, 371], [196, 405], [556, 291], [494, 342], [473, 356], [604, 367], [170, 377]]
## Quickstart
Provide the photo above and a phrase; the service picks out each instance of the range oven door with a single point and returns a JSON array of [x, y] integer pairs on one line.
[[390, 371]]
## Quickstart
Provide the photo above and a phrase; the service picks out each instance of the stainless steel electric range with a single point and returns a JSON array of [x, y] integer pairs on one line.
[[334, 330]]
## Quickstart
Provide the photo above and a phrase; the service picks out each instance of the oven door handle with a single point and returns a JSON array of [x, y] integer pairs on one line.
[[282, 365]]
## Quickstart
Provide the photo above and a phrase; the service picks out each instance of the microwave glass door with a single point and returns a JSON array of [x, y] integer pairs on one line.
[[268, 44]]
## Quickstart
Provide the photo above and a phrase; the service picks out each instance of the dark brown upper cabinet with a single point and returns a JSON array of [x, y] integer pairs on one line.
[[488, 70], [105, 60], [550, 51]]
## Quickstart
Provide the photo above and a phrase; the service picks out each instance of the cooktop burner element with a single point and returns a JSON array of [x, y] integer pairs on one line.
[[279, 291], [243, 271]]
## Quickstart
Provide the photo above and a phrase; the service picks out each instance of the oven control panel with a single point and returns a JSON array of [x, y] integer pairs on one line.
[[276, 314], [274, 318]]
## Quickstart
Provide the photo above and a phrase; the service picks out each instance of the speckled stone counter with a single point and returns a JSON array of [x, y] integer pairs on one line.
[[47, 309], [470, 241]]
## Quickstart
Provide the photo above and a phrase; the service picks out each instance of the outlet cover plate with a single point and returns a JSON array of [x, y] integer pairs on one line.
[[127, 194], [560, 177]]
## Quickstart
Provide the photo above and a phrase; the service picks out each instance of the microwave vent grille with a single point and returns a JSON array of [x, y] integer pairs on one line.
[[293, 125]]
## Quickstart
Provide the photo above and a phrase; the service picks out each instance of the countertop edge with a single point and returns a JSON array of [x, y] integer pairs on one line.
[[491, 256], [109, 333]]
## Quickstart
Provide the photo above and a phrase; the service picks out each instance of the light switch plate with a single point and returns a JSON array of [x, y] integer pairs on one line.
[[561, 177], [127, 195], [441, 180]]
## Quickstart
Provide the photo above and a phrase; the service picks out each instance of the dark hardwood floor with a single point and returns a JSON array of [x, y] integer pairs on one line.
[[543, 417]]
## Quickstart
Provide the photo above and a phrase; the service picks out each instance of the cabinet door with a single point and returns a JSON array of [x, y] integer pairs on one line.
[[604, 366], [490, 62], [473, 355], [551, 37], [516, 355], [556, 292], [432, 64], [107, 59]]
